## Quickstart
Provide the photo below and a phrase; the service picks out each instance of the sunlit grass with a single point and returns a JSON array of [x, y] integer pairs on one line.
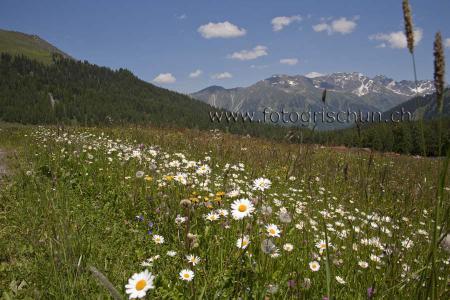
[[126, 200]]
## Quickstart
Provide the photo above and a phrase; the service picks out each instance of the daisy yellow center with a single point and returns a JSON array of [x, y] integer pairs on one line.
[[242, 207], [272, 231], [140, 285], [186, 275]]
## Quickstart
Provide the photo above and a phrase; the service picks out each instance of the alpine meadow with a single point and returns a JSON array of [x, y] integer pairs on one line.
[[164, 153]]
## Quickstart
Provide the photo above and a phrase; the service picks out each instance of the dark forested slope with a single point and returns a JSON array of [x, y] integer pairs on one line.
[[79, 92]]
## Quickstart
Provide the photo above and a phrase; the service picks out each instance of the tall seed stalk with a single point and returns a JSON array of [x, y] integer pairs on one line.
[[409, 32], [439, 73], [439, 80]]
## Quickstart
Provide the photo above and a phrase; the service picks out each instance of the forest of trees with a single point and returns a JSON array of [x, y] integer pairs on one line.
[[409, 137], [89, 95], [72, 92]]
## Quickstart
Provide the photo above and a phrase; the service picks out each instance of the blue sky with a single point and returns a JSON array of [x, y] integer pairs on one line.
[[234, 42]]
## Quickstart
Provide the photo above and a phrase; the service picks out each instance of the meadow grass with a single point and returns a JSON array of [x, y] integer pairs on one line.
[[350, 225]]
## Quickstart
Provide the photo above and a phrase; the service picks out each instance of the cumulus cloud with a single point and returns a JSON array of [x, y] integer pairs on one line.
[[289, 61], [341, 25], [397, 39], [321, 27], [254, 53], [278, 23], [165, 78], [196, 73], [447, 43], [221, 30], [224, 75]]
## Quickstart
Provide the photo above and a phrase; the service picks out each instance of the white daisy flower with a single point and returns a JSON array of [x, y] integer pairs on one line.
[[203, 169], [273, 230], [139, 284], [407, 243], [375, 258], [363, 264], [242, 208], [171, 253], [275, 253], [180, 220], [340, 280], [192, 259], [181, 178], [322, 246], [149, 262], [300, 225], [288, 247], [261, 184], [242, 243], [212, 216], [314, 266], [158, 239], [186, 275], [233, 193]]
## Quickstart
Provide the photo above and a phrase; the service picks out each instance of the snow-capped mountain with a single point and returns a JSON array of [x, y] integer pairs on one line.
[[345, 90], [361, 85]]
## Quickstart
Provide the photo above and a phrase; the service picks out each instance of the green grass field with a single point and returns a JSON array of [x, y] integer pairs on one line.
[[342, 225]]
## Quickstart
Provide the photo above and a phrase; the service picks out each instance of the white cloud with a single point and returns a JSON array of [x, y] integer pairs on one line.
[[221, 30], [314, 74], [196, 73], [447, 43], [341, 25], [256, 52], [164, 78], [289, 61], [224, 75], [321, 27], [397, 39], [279, 23]]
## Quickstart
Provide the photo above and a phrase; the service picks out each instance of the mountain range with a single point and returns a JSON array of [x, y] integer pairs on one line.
[[353, 91]]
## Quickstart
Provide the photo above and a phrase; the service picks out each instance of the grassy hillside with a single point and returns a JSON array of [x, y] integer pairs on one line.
[[32, 46]]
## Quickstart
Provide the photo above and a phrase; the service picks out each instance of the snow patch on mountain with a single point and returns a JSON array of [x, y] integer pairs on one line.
[[314, 75]]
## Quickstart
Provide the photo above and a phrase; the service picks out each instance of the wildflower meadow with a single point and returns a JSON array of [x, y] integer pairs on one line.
[[167, 214]]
